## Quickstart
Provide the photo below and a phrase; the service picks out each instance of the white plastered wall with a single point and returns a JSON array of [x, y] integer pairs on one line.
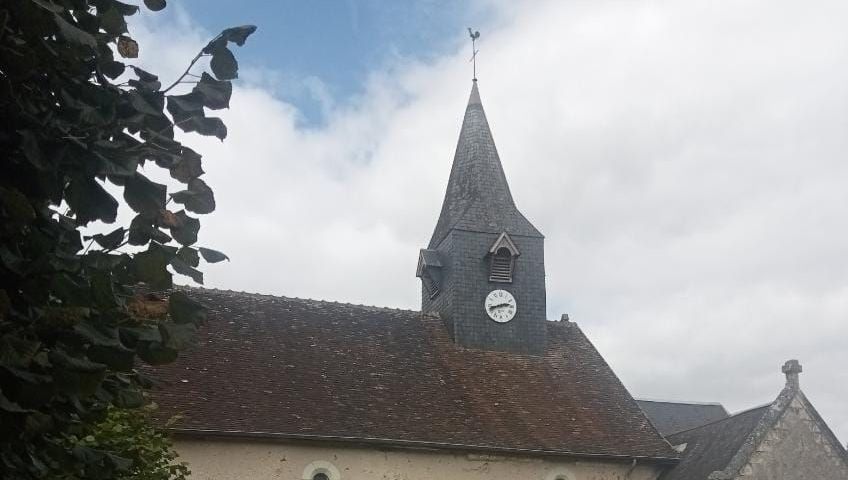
[[231, 460]]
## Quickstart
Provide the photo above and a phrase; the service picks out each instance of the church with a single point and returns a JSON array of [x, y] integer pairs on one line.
[[478, 384]]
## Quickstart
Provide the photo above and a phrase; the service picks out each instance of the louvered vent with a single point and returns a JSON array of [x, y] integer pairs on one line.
[[431, 285], [501, 266]]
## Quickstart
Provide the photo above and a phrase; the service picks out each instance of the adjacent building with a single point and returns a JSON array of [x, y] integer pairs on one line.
[[785, 439]]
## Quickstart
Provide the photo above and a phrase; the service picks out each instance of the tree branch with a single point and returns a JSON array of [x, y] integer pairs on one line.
[[178, 80]]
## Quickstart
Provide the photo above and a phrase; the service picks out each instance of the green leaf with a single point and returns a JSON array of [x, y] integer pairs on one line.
[[17, 351], [117, 166], [150, 267], [90, 201], [210, 126], [113, 21], [128, 398], [198, 198], [112, 68], [185, 310], [144, 196], [48, 5], [155, 353], [6, 302], [215, 93], [183, 268], [178, 335], [75, 364], [142, 230], [67, 288], [16, 206], [9, 406], [186, 230], [188, 114], [224, 64], [76, 375], [146, 80], [213, 256], [238, 35], [104, 337], [155, 5], [120, 359], [187, 167], [188, 255], [185, 106], [111, 240], [73, 34], [32, 150], [102, 290], [140, 103], [144, 333]]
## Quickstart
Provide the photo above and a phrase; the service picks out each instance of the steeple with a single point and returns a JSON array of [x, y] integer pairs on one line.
[[478, 197], [484, 270]]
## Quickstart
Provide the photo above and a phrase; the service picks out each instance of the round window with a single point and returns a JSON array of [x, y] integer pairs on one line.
[[321, 470]]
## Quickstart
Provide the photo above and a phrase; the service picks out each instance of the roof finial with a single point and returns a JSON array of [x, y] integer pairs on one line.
[[474, 36], [792, 368]]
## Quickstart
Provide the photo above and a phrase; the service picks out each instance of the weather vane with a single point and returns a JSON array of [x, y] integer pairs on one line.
[[474, 36]]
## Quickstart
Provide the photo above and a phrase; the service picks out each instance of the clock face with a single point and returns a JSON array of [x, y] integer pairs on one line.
[[500, 306]]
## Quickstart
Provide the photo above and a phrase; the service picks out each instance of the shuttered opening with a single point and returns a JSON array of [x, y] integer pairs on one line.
[[502, 262], [432, 286]]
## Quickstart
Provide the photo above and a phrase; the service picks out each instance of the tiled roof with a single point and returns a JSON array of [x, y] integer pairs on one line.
[[297, 368], [673, 417], [711, 447], [478, 197]]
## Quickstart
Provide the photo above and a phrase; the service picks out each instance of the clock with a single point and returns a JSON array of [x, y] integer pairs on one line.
[[500, 306]]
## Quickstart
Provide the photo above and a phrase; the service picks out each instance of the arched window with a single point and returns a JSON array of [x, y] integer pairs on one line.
[[320, 476], [502, 255]]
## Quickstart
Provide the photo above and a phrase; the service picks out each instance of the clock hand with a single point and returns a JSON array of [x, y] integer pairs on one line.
[[494, 307]]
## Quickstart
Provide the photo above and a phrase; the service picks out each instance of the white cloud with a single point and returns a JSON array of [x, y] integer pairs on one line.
[[686, 161]]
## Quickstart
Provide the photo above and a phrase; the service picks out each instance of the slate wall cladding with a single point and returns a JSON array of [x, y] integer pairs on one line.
[[478, 207], [467, 283], [441, 303]]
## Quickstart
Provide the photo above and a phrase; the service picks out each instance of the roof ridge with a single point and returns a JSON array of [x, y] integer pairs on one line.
[[725, 419], [680, 402], [303, 299]]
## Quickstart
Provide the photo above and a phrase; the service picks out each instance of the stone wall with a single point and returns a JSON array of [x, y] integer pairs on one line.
[[795, 448], [237, 460]]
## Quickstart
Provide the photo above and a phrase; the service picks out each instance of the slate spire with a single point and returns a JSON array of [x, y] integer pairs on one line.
[[478, 197]]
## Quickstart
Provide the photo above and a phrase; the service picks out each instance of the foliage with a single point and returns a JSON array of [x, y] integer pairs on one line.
[[129, 434], [74, 323]]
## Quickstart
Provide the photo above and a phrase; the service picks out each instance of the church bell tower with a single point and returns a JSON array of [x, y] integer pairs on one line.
[[484, 270]]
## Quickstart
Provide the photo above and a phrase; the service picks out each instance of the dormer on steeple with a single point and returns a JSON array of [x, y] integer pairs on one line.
[[489, 284], [502, 253]]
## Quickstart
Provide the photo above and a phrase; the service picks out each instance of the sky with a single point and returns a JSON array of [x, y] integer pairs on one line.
[[685, 160]]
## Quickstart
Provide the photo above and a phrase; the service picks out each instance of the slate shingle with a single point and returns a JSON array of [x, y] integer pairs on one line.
[[478, 198], [710, 448], [674, 417], [289, 367]]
